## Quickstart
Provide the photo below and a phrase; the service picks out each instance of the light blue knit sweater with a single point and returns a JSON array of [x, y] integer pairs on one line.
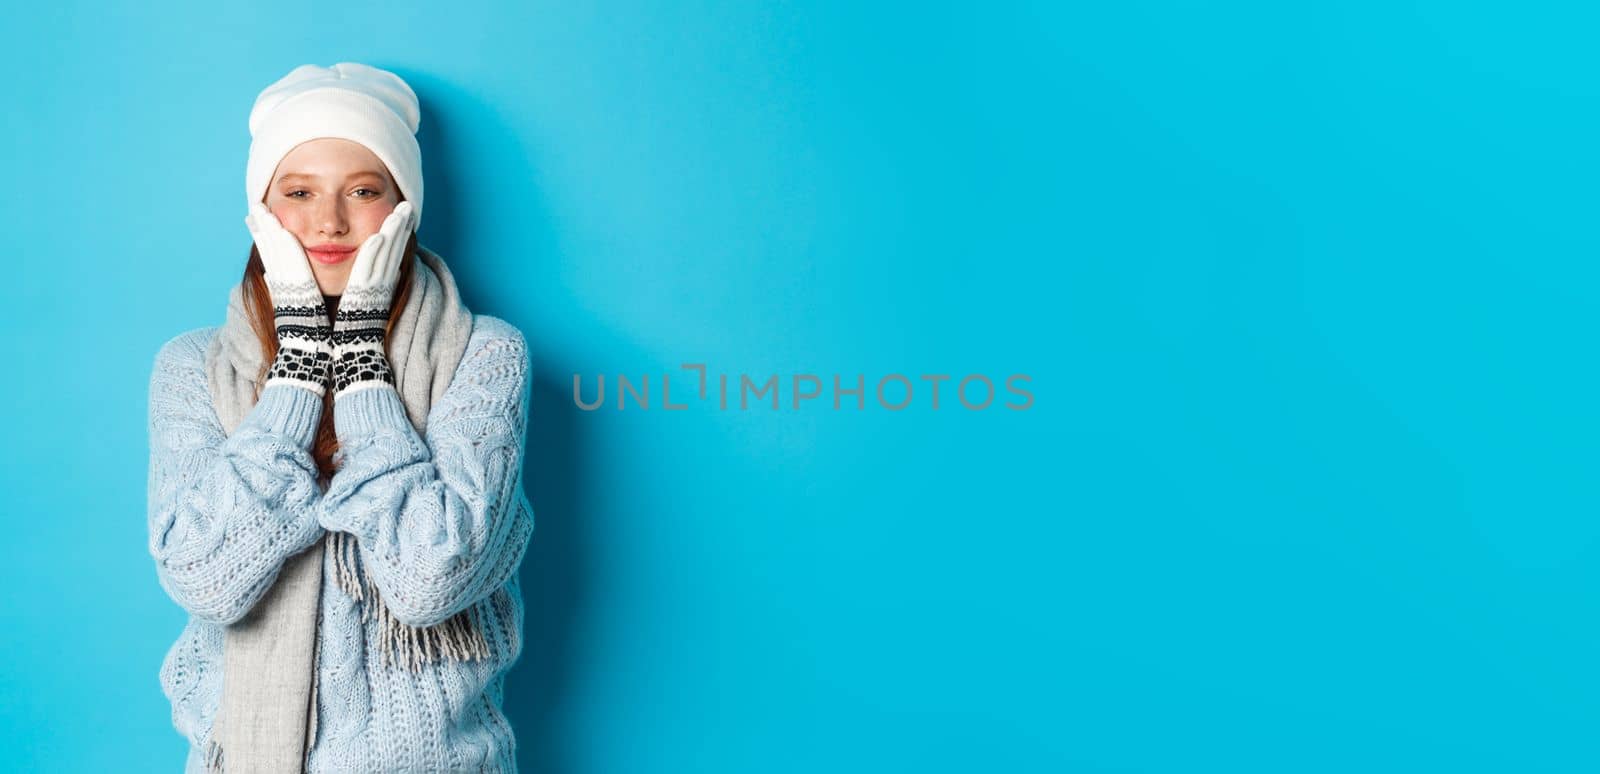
[[441, 520]]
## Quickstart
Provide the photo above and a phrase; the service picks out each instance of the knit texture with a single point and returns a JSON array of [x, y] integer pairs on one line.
[[440, 521]]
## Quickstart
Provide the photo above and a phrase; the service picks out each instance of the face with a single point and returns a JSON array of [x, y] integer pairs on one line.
[[331, 194]]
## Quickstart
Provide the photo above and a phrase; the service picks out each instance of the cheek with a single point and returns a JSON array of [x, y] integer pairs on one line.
[[292, 219], [369, 223]]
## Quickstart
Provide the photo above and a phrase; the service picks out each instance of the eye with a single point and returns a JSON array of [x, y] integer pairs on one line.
[[291, 194], [368, 190]]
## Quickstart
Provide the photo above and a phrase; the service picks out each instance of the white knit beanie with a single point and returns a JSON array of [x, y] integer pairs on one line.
[[350, 101]]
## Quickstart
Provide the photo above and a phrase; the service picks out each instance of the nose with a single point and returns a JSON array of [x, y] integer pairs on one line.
[[330, 217]]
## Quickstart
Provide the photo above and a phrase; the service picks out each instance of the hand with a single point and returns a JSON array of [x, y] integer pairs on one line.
[[360, 326], [305, 337]]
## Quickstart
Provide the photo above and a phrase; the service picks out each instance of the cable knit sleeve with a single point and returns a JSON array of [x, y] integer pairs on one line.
[[440, 521], [224, 510]]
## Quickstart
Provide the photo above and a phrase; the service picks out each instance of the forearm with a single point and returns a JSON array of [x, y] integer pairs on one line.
[[439, 525], [225, 512]]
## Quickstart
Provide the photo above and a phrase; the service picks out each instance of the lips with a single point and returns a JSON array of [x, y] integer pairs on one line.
[[324, 254]]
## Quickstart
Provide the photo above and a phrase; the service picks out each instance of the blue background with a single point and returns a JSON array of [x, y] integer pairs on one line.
[[1305, 295]]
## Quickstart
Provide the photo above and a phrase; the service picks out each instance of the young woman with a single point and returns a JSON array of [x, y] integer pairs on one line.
[[335, 490]]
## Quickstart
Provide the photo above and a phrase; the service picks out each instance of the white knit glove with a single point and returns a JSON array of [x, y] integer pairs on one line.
[[359, 325], [305, 346]]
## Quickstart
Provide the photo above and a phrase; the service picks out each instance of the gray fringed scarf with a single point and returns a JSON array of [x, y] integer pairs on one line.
[[267, 720]]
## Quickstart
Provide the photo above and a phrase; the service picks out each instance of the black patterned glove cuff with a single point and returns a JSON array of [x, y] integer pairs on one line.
[[305, 351], [359, 361]]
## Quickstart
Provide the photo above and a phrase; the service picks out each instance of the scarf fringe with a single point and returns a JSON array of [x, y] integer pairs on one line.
[[459, 638], [213, 757]]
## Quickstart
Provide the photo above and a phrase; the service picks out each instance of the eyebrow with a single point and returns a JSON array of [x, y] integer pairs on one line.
[[353, 176]]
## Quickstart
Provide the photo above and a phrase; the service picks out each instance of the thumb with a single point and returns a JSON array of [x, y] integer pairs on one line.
[[366, 259]]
